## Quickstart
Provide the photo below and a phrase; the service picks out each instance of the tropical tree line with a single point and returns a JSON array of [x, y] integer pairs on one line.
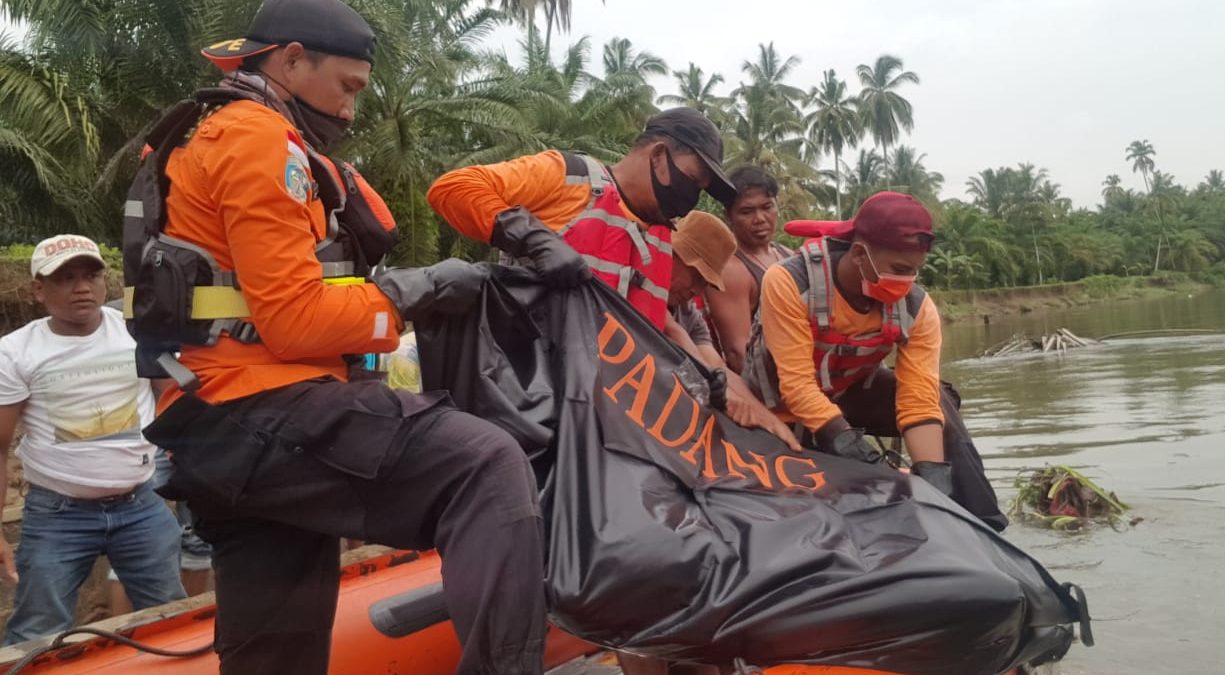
[[80, 90]]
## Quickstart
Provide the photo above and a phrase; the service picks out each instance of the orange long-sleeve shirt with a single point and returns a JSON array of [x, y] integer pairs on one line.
[[788, 337], [237, 191], [471, 198]]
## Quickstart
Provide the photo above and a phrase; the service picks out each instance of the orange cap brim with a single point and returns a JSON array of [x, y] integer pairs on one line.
[[229, 55]]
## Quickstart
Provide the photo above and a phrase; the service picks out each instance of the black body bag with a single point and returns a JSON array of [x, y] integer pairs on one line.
[[675, 533]]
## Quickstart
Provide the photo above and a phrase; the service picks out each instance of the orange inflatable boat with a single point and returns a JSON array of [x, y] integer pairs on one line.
[[390, 621]]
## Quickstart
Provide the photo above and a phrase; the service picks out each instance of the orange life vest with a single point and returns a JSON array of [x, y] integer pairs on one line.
[[840, 360], [637, 263]]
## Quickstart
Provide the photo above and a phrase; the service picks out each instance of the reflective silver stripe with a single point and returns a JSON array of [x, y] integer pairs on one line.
[[659, 244], [576, 180], [615, 221], [603, 265], [636, 236], [653, 289], [338, 269], [623, 281], [631, 228], [823, 372], [134, 208], [626, 276]]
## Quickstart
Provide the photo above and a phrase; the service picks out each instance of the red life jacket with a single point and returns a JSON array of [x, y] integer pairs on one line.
[[840, 361], [637, 264]]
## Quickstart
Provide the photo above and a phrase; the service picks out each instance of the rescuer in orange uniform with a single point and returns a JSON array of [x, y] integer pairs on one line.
[[568, 217], [619, 219], [277, 452], [829, 317]]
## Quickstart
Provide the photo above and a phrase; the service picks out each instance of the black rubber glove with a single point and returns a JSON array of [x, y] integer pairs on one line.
[[939, 474], [718, 389], [449, 287], [522, 235], [837, 437]]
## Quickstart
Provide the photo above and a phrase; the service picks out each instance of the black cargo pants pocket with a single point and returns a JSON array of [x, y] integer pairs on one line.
[[357, 428], [213, 454]]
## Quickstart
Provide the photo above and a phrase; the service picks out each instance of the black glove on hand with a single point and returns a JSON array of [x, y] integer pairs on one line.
[[718, 389], [837, 438], [939, 474], [449, 287], [521, 235]]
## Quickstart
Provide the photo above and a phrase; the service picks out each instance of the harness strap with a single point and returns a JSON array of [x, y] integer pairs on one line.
[[597, 176], [344, 268], [819, 283], [847, 350], [178, 372]]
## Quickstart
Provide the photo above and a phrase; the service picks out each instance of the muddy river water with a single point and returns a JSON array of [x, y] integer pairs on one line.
[[1143, 416]]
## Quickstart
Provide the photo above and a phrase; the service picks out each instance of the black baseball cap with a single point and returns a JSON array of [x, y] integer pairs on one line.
[[695, 130], [327, 26]]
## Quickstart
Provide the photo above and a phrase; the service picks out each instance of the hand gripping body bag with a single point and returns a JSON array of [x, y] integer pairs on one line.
[[672, 532]]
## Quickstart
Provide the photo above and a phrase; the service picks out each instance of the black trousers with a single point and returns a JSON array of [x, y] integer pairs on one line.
[[277, 478], [871, 405]]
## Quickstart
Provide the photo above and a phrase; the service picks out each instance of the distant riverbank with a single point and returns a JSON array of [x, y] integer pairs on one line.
[[982, 305], [17, 305]]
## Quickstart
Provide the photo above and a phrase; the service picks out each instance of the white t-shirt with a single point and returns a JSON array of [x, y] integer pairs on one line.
[[84, 409]]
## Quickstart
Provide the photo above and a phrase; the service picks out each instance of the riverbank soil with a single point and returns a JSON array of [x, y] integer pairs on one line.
[[984, 305]]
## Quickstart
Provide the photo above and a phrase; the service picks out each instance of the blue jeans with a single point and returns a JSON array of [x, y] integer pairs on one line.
[[61, 537]]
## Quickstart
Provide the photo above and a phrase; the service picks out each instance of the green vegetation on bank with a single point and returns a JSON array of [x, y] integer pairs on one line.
[[958, 305], [78, 93]]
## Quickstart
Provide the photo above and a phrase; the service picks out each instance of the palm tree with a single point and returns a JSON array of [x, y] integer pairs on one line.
[[696, 90], [955, 266], [989, 190], [1213, 183], [863, 180], [906, 173], [1111, 187], [765, 126], [44, 127], [834, 124], [1016, 196], [1050, 195], [768, 73], [556, 15], [415, 121], [883, 109], [625, 84], [1140, 154]]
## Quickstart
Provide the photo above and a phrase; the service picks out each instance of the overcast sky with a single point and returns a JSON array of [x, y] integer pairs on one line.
[[1064, 84]]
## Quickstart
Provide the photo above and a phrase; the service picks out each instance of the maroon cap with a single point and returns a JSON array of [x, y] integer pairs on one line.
[[889, 219]]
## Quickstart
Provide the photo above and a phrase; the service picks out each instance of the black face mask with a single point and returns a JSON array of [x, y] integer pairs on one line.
[[321, 129], [680, 197]]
